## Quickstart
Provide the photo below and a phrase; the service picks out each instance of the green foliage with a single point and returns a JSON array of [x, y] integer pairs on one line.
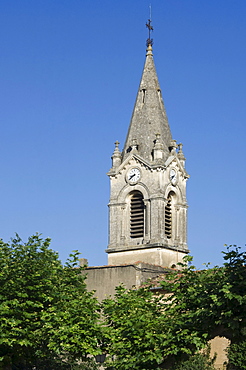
[[71, 322], [237, 355], [47, 317], [141, 332], [146, 331], [233, 307], [89, 364], [132, 331], [199, 361], [213, 300]]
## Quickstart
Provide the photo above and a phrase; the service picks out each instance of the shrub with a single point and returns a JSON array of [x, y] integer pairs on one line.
[[200, 361]]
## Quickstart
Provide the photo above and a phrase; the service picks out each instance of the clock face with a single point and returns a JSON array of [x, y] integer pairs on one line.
[[173, 176], [133, 175]]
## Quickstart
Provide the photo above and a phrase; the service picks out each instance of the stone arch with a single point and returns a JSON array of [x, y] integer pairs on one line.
[[129, 221], [124, 193], [176, 190]]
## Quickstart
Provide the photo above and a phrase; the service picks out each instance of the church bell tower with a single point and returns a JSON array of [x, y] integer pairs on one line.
[[148, 207]]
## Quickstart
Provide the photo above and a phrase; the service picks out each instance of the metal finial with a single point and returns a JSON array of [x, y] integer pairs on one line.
[[150, 28]]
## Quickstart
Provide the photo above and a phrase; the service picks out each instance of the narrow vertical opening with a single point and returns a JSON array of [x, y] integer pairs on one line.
[[136, 215], [143, 95], [169, 216]]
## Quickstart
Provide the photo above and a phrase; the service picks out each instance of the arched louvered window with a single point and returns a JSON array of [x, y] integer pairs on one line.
[[168, 216], [136, 215]]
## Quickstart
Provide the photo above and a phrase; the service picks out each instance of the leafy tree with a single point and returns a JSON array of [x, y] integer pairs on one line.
[[142, 334], [199, 361], [72, 322], [153, 332], [212, 301], [47, 317], [233, 300], [237, 355], [132, 331]]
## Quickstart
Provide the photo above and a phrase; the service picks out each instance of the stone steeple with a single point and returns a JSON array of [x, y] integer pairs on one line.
[[149, 116], [148, 207]]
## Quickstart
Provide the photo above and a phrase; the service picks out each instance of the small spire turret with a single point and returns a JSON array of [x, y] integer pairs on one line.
[[116, 157], [134, 145], [158, 152], [181, 156], [173, 147]]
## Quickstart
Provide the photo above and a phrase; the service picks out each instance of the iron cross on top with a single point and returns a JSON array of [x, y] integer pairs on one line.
[[150, 28]]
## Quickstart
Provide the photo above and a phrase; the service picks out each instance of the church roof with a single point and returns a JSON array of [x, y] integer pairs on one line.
[[149, 116]]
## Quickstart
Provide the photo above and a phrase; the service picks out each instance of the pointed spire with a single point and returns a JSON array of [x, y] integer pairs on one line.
[[149, 115]]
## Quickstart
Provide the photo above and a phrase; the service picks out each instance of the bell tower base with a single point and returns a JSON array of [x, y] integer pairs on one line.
[[156, 255]]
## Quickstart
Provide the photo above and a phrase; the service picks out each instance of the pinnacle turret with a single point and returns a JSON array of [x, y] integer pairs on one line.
[[116, 157]]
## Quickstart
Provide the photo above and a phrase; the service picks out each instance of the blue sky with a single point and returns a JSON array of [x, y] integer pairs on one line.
[[69, 76]]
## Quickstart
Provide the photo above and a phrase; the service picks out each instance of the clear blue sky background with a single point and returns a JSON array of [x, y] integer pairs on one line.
[[69, 77]]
